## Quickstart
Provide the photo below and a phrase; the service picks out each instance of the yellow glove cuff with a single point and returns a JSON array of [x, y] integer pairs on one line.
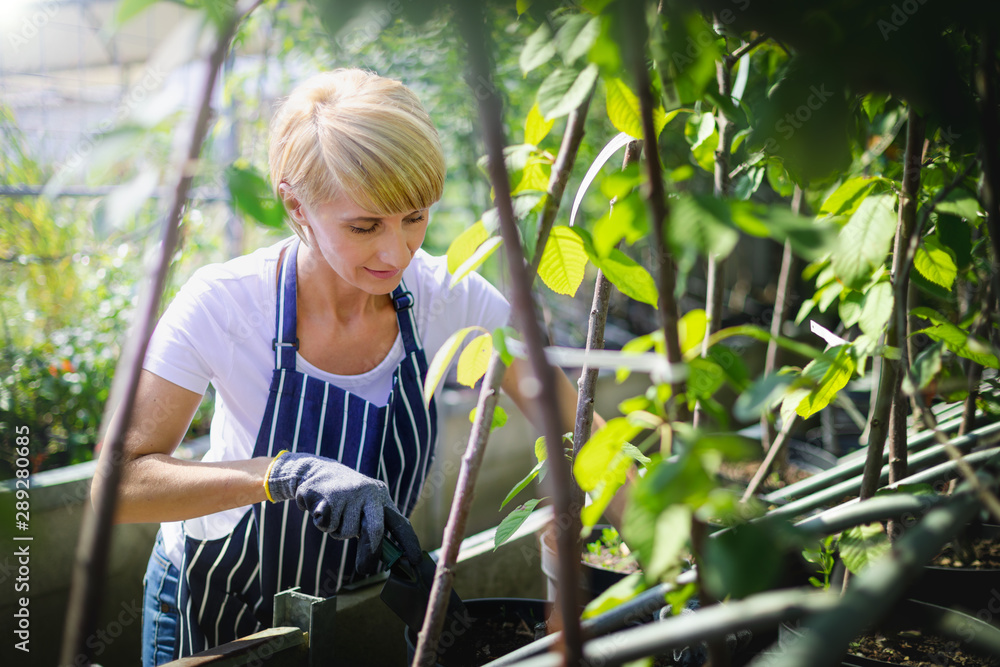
[[267, 475]]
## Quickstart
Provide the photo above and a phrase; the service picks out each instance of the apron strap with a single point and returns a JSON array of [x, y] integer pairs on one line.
[[285, 342], [403, 300]]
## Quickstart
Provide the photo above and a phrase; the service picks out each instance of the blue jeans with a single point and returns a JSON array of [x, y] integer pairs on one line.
[[160, 617]]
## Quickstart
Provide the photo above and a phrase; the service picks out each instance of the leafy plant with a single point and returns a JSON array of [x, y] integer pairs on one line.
[[824, 556]]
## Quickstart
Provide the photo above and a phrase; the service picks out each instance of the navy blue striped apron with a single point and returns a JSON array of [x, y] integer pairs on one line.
[[228, 584]]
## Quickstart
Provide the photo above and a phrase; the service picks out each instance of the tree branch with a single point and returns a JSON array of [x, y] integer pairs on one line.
[[656, 200], [906, 225], [90, 565], [472, 461], [454, 530], [471, 22], [595, 341], [734, 57], [780, 312]]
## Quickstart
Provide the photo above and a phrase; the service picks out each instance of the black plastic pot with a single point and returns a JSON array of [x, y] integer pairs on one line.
[[974, 590], [459, 642], [594, 580], [908, 615]]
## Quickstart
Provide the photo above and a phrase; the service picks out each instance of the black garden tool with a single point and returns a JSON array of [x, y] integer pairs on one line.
[[408, 589]]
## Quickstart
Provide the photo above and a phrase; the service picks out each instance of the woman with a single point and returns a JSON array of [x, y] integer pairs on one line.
[[317, 347]]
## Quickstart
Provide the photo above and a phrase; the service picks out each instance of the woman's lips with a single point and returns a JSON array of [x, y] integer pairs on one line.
[[383, 275]]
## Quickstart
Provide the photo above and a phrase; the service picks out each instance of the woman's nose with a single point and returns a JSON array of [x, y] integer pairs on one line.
[[395, 251]]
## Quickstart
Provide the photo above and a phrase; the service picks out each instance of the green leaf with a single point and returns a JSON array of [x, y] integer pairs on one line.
[[672, 535], [935, 263], [523, 205], [809, 238], [520, 486], [678, 598], [705, 377], [761, 395], [826, 295], [864, 242], [723, 446], [846, 198], [576, 36], [564, 90], [126, 10], [474, 359], [665, 484], [592, 465], [624, 113], [619, 184], [534, 178], [927, 365], [627, 219], [861, 545], [850, 308], [252, 196], [639, 345], [831, 375], [688, 54], [732, 364], [538, 49], [536, 127], [703, 223], [742, 561], [704, 138], [465, 244], [632, 280], [499, 417], [692, 328], [876, 309], [541, 451], [621, 591], [563, 262], [963, 344], [960, 203], [500, 335], [956, 235], [442, 360], [513, 521], [919, 490], [476, 260]]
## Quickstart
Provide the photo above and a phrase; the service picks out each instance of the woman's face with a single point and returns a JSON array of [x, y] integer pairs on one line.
[[366, 250]]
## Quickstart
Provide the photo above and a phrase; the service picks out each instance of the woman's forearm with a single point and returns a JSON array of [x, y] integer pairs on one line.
[[158, 487]]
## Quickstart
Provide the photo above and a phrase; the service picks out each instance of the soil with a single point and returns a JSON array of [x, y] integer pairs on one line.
[[983, 555], [487, 640], [912, 647], [741, 472], [611, 560]]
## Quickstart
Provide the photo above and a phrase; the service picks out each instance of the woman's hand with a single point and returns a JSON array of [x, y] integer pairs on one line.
[[344, 503]]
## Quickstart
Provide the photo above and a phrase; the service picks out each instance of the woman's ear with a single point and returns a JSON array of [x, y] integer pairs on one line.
[[292, 203]]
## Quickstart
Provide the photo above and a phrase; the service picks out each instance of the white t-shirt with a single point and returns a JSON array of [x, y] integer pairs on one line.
[[219, 329]]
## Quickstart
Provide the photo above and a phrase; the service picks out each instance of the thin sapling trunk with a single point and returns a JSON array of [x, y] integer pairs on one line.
[[714, 267], [429, 635], [92, 550]]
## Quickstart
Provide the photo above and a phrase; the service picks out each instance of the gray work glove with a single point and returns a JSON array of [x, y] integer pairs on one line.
[[344, 503]]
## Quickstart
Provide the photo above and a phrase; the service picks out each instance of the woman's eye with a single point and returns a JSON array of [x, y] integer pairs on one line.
[[363, 230], [419, 218]]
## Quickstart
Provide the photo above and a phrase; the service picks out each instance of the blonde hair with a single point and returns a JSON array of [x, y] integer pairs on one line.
[[355, 133]]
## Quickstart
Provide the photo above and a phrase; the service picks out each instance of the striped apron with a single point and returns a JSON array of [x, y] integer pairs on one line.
[[228, 584]]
